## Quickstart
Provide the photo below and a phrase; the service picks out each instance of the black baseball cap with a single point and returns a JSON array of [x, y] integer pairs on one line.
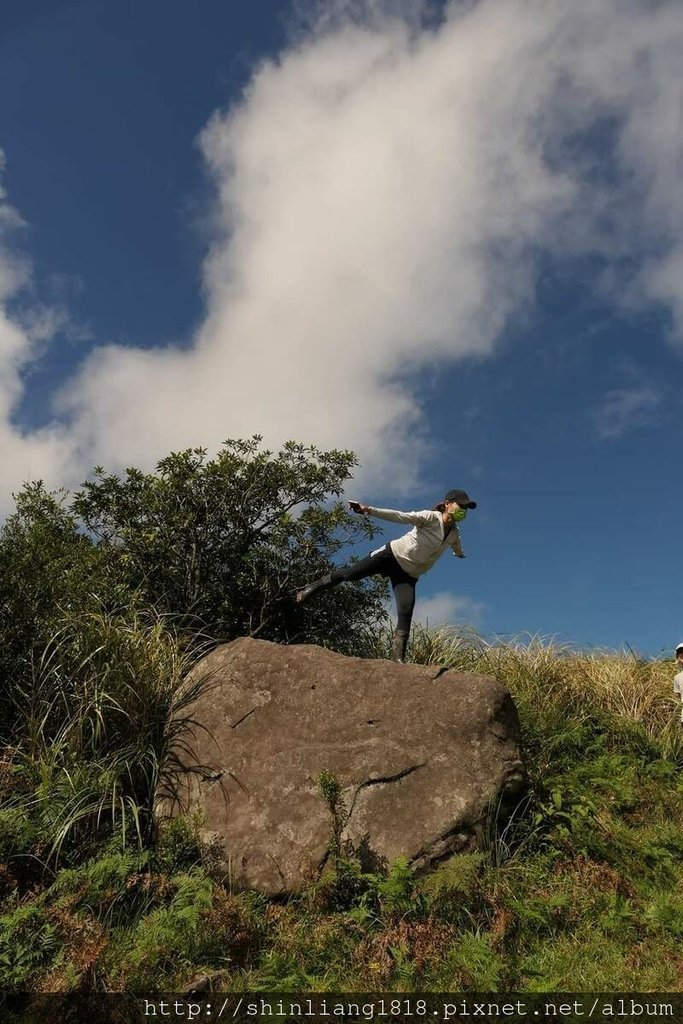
[[462, 497]]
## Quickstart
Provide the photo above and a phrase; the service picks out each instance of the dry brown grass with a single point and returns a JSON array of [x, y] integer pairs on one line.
[[420, 943], [539, 669]]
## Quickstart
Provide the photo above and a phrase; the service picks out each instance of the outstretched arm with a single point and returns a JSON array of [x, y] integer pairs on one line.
[[391, 515]]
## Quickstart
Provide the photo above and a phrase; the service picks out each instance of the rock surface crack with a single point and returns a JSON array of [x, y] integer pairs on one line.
[[440, 672], [381, 781], [233, 725]]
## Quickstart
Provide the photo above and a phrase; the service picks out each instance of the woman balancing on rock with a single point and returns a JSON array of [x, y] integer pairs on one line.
[[406, 559]]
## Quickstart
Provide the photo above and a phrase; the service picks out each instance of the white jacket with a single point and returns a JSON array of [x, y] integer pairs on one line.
[[418, 550]]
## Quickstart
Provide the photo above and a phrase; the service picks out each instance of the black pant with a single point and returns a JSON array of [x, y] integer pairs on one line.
[[383, 563]]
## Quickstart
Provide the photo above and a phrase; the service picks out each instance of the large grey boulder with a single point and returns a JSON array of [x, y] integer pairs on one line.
[[422, 755]]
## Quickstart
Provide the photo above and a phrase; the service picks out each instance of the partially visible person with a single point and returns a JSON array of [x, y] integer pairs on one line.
[[404, 560], [678, 678]]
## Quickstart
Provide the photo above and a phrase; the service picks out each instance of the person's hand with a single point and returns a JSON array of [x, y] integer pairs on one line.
[[356, 506]]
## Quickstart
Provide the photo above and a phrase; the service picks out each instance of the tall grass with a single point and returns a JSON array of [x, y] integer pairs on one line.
[[542, 673], [97, 727], [551, 678]]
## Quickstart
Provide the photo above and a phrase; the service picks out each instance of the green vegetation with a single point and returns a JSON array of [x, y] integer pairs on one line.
[[216, 546], [106, 601]]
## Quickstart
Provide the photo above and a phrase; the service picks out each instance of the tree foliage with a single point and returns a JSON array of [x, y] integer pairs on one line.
[[225, 541], [219, 544]]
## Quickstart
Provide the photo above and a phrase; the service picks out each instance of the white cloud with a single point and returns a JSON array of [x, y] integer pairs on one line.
[[447, 609], [624, 409], [42, 453], [383, 192], [15, 269]]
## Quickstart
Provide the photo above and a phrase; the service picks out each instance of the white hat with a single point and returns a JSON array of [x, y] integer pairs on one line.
[[679, 647]]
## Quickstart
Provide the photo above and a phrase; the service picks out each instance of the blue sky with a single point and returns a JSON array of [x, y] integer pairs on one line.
[[453, 244]]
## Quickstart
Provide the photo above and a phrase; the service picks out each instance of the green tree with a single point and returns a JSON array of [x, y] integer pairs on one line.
[[219, 544], [223, 542]]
